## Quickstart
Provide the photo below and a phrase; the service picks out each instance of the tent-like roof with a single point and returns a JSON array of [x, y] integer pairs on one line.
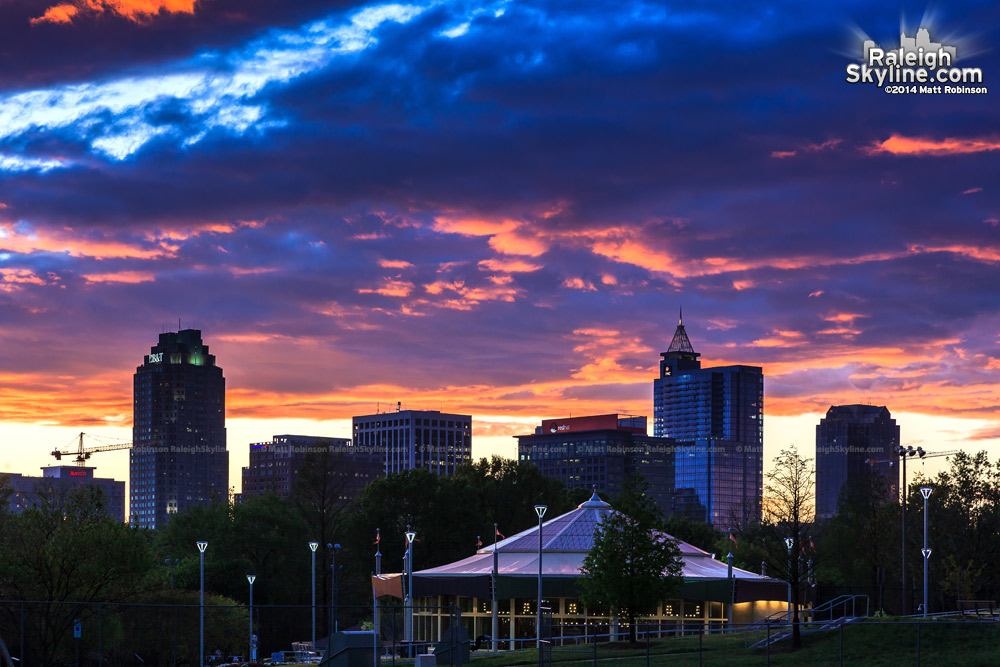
[[566, 540]]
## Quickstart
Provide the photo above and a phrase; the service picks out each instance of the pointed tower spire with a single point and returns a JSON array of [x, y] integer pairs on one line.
[[680, 342], [680, 316]]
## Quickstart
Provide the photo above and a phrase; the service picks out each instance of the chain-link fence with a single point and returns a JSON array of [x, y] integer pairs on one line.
[[44, 634], [942, 641], [47, 634]]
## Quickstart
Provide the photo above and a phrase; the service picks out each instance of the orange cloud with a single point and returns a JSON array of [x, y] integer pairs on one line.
[[469, 297], [153, 245], [473, 226], [580, 284], [139, 11], [898, 145], [121, 277], [843, 317], [508, 265], [394, 264], [781, 339], [57, 14], [514, 243], [388, 287], [12, 280]]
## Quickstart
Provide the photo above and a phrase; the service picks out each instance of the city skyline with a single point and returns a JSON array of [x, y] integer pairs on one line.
[[492, 209]]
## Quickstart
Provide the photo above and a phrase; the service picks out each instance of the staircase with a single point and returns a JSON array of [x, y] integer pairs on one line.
[[830, 615]]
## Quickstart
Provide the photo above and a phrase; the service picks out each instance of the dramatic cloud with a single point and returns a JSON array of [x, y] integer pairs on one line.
[[495, 208], [211, 92], [134, 10]]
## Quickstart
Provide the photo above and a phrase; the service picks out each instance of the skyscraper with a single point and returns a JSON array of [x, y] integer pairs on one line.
[[853, 442], [720, 477], [601, 452], [275, 466], [409, 439], [178, 456]]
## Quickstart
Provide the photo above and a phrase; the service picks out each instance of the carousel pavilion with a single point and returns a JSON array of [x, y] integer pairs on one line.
[[511, 567]]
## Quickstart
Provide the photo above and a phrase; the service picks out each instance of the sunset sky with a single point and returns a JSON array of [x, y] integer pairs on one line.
[[493, 208]]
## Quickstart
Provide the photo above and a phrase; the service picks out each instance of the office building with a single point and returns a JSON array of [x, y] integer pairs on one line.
[[275, 466], [853, 442], [57, 482], [719, 476], [601, 452], [178, 457], [409, 439]]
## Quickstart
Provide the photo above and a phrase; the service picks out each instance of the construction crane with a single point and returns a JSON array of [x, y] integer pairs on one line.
[[83, 453], [919, 453]]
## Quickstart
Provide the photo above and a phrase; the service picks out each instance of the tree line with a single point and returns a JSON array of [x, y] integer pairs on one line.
[[70, 554]]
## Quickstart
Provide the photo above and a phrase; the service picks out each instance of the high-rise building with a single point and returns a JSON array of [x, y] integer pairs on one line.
[[58, 481], [275, 466], [853, 442], [409, 439], [602, 452], [719, 477], [178, 455]]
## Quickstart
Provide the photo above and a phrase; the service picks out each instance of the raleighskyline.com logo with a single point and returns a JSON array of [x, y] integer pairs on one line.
[[917, 66]]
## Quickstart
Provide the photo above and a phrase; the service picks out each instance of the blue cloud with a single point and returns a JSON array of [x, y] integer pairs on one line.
[[116, 118]]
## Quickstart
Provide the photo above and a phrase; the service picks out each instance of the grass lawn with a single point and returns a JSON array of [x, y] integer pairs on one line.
[[942, 644]]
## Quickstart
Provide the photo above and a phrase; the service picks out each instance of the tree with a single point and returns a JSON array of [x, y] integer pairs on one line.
[[789, 508], [69, 552], [697, 533], [633, 565], [318, 497], [864, 535]]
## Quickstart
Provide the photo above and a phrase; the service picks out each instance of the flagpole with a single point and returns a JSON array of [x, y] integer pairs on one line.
[[378, 571], [493, 593]]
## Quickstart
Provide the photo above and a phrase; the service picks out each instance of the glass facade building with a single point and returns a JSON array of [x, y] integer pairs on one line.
[[719, 470], [408, 439], [178, 455], [853, 442]]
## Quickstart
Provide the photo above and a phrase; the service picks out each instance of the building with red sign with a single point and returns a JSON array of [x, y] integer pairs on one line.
[[58, 481], [601, 451]]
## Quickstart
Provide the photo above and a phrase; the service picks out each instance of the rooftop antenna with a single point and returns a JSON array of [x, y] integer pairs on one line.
[[680, 316]]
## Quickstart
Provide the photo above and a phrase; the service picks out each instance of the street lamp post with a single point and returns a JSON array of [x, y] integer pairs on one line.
[[334, 548], [789, 542], [540, 511], [201, 651], [904, 452], [925, 491], [410, 536], [171, 564], [253, 656], [312, 547]]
